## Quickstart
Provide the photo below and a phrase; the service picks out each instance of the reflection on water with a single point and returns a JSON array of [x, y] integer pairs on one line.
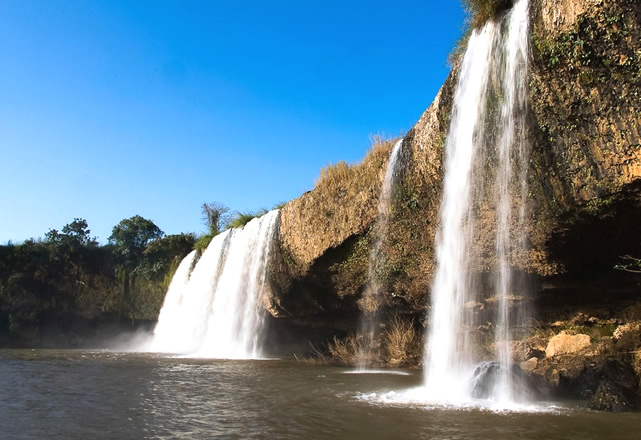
[[104, 395]]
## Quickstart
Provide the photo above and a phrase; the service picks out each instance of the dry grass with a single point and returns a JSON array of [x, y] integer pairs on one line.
[[346, 180], [401, 346], [345, 351], [480, 11], [354, 349], [402, 342]]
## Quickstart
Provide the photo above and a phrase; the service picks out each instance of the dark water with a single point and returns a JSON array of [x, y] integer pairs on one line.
[[105, 395]]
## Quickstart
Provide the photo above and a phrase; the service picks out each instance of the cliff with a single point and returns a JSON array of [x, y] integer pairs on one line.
[[582, 214], [584, 178]]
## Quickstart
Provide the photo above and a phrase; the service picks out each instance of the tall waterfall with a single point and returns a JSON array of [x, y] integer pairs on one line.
[[487, 127], [371, 296], [216, 310]]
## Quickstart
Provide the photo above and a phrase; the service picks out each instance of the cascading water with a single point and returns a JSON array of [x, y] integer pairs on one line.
[[370, 319], [512, 149], [494, 68], [174, 296], [217, 312]]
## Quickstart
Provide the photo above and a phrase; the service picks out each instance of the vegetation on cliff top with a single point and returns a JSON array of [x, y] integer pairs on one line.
[[218, 218], [480, 11], [343, 179]]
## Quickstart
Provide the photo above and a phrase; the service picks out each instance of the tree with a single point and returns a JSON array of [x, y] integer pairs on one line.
[[163, 254], [215, 216], [131, 236], [77, 232], [67, 253]]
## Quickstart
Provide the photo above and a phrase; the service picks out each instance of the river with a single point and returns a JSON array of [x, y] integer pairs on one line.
[[72, 394]]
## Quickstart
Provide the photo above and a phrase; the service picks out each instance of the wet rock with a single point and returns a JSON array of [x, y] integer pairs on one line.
[[487, 379], [617, 389], [565, 343], [529, 365]]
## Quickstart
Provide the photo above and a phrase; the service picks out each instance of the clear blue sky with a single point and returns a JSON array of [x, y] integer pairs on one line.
[[110, 109]]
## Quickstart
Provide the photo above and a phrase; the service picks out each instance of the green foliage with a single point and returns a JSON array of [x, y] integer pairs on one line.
[[69, 276], [161, 254], [77, 232], [131, 236], [596, 49], [240, 219], [202, 242]]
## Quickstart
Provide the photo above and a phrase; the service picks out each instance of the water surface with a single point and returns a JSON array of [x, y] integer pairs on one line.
[[70, 394]]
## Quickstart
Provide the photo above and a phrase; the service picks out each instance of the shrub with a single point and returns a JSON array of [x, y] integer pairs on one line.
[[240, 219], [345, 351], [202, 242], [480, 11], [402, 342]]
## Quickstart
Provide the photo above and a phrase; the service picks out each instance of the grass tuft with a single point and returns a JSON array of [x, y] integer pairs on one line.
[[402, 342], [341, 180]]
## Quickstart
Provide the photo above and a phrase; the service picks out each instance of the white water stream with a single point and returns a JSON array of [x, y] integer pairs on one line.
[[371, 319], [216, 311], [496, 57]]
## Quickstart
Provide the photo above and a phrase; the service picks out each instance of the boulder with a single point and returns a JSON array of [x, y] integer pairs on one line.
[[565, 343], [487, 380], [627, 337], [530, 365]]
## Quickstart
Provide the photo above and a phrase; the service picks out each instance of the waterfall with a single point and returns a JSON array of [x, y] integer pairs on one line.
[[371, 296], [493, 69], [217, 310], [512, 148]]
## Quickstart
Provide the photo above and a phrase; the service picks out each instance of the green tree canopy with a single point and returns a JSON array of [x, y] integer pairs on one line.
[[131, 236], [75, 233]]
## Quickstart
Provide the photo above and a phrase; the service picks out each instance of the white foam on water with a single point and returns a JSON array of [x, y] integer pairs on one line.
[[388, 372], [416, 398]]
